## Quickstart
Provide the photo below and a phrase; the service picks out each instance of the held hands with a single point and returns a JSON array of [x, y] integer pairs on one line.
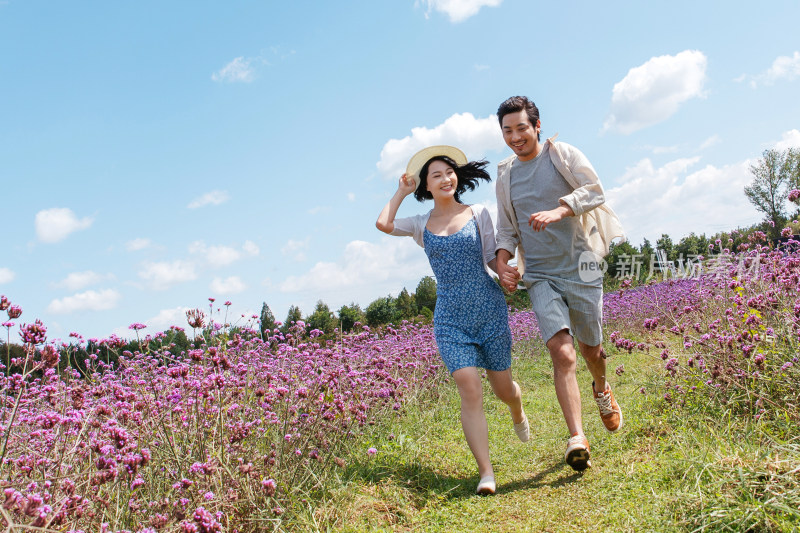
[[509, 276]]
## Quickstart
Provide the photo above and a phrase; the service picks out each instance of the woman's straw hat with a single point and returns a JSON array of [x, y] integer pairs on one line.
[[419, 159]]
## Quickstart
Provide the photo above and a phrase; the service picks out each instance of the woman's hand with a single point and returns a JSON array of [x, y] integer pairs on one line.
[[385, 221], [406, 185]]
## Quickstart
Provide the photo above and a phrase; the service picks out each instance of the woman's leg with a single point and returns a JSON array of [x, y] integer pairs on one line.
[[508, 391], [473, 419]]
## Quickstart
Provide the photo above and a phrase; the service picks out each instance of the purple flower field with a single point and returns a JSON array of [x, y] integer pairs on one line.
[[232, 434]]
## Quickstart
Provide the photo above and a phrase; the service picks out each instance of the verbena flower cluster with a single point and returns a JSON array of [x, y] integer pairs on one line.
[[224, 437], [728, 339]]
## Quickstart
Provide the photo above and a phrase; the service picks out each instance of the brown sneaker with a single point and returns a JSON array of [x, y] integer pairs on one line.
[[609, 408], [577, 455]]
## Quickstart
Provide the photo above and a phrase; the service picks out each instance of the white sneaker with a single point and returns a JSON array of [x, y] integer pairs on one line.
[[486, 486], [523, 430]]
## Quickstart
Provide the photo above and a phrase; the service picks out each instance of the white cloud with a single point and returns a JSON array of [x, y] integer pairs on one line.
[[351, 197], [653, 92], [137, 244], [296, 249], [209, 198], [472, 135], [673, 200], [458, 10], [783, 68], [165, 274], [238, 70], [251, 248], [6, 275], [362, 271], [231, 285], [317, 210], [711, 141], [78, 280], [54, 225], [165, 319], [218, 256], [790, 139], [85, 301]]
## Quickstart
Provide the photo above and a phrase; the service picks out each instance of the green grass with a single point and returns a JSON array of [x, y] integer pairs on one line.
[[661, 472]]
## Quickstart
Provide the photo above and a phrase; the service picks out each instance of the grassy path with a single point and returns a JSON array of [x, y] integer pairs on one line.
[[423, 476]]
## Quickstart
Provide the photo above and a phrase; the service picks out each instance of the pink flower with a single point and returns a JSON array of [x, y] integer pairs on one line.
[[794, 195], [136, 326], [269, 486], [371, 452]]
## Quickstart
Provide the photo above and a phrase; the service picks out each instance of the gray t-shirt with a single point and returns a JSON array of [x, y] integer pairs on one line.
[[536, 186]]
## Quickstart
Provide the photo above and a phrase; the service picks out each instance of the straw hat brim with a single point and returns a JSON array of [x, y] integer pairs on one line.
[[419, 159]]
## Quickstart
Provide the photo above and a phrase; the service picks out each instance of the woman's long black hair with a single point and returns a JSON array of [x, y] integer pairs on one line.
[[467, 174]]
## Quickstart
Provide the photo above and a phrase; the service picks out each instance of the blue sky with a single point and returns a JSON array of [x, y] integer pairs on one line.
[[156, 154]]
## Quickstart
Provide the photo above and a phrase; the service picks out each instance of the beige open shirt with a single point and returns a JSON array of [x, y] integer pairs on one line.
[[587, 201]]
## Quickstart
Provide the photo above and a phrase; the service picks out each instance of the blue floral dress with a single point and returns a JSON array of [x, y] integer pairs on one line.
[[470, 321]]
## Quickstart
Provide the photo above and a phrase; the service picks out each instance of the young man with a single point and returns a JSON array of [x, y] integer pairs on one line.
[[551, 206]]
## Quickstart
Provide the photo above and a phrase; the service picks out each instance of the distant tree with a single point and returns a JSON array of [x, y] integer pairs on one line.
[[322, 319], [427, 314], [774, 176], [349, 315], [294, 315], [622, 259], [425, 296], [381, 311], [692, 245], [266, 321], [665, 243], [406, 305], [177, 340]]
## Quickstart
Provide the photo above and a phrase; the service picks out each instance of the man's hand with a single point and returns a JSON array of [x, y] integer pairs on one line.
[[539, 221]]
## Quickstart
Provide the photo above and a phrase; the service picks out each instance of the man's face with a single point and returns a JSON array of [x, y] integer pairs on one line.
[[520, 135]]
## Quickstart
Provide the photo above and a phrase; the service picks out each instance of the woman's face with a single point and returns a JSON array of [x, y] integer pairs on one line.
[[442, 180]]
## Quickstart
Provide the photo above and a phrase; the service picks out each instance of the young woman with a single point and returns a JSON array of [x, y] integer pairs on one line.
[[470, 321]]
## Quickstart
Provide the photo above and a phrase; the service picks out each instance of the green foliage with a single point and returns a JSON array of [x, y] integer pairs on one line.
[[266, 321], [427, 314], [620, 260], [178, 338], [425, 295], [292, 316], [322, 319], [381, 311], [665, 243], [349, 315], [775, 174], [406, 305]]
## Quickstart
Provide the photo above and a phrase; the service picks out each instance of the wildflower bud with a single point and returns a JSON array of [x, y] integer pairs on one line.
[[50, 356], [4, 303], [14, 311], [196, 318], [34, 333], [269, 487]]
